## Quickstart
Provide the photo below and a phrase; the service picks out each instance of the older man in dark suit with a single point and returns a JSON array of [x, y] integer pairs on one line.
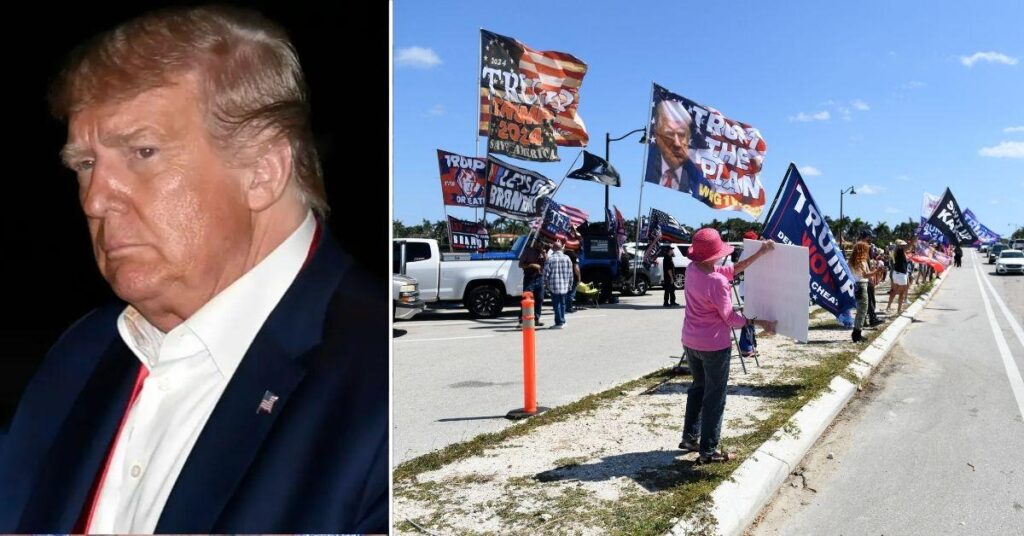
[[241, 383]]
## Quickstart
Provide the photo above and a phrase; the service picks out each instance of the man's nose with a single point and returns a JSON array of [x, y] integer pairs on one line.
[[105, 189]]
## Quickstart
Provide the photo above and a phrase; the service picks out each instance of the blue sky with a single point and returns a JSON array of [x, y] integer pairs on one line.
[[894, 98]]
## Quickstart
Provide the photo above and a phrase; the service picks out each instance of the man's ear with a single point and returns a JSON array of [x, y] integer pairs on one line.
[[270, 176]]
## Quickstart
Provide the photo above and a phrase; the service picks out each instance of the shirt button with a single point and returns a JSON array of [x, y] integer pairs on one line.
[[136, 471]]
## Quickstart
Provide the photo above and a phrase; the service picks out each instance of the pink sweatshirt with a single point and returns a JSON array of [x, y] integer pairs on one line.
[[709, 313]]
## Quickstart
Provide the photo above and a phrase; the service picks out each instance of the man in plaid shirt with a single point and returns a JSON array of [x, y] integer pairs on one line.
[[558, 275]]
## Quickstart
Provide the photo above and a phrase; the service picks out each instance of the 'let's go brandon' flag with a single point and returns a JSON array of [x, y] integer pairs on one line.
[[519, 75]]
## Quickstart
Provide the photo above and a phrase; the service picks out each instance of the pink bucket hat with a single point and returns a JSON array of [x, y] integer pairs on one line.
[[707, 245]]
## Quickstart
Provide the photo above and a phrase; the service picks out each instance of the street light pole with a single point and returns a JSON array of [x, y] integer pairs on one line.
[[843, 192], [607, 157]]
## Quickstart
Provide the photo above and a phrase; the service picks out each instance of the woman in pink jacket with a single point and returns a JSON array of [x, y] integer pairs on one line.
[[707, 339]]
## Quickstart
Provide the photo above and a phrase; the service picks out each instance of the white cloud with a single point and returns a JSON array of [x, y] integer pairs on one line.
[[810, 171], [991, 57], [1013, 129], [993, 201], [870, 189], [436, 111], [418, 57], [860, 105], [913, 84], [890, 210], [903, 178], [844, 112], [1006, 149], [817, 116]]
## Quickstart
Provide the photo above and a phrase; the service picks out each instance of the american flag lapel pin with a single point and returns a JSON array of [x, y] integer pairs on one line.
[[267, 404]]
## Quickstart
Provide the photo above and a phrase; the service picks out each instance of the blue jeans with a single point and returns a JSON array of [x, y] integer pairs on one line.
[[705, 399], [558, 302], [570, 300], [536, 286]]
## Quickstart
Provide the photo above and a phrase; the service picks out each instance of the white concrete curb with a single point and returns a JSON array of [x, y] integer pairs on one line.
[[737, 501]]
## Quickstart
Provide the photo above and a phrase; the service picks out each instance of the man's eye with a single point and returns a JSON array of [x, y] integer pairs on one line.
[[145, 152], [83, 165]]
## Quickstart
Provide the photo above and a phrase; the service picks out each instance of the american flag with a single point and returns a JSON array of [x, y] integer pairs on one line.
[[576, 216], [552, 79], [267, 405]]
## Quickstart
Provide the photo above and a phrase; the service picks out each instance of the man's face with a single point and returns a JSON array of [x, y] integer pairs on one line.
[[673, 139], [167, 217]]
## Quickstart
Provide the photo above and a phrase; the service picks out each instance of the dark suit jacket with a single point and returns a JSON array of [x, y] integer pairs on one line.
[[688, 179], [317, 463]]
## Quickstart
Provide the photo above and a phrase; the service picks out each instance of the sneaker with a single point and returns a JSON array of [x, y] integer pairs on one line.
[[538, 323]]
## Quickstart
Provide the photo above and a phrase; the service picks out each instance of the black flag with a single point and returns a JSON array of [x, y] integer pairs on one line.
[[948, 219], [596, 169]]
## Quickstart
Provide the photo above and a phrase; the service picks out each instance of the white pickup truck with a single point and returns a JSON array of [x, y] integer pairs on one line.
[[482, 282]]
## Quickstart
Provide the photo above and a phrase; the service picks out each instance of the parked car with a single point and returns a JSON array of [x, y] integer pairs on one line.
[[994, 252], [484, 283], [406, 293], [1017, 243], [983, 248], [1010, 261], [655, 273]]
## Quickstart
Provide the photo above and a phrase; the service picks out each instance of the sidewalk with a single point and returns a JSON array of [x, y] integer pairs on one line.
[[608, 464]]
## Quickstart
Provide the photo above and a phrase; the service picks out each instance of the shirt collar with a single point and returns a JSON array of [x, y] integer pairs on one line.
[[227, 324]]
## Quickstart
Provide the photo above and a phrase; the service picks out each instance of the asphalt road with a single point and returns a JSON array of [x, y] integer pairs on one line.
[[935, 444], [455, 378]]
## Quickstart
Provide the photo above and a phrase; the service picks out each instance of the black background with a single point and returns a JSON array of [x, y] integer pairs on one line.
[[49, 275]]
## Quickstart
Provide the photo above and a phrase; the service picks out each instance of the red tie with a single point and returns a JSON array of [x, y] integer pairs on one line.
[[668, 178], [94, 494]]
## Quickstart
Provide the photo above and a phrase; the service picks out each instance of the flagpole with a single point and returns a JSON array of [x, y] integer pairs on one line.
[[448, 223], [640, 202], [476, 89], [785, 180], [559, 185]]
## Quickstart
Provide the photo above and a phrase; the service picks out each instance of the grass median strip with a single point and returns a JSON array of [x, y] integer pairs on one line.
[[608, 464]]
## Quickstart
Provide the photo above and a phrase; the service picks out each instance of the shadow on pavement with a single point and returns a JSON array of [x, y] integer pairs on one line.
[[766, 391], [655, 470], [482, 418], [396, 333]]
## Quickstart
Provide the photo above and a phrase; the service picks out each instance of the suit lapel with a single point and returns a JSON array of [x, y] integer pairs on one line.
[[235, 432], [81, 446]]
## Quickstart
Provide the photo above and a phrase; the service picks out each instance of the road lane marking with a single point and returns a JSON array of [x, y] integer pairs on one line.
[[1014, 325], [1012, 372], [444, 338]]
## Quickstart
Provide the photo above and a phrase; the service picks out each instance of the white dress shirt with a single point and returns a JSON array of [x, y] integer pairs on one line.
[[665, 168], [189, 367]]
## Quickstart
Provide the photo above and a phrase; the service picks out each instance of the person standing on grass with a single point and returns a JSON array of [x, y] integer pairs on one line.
[[707, 340], [863, 272], [900, 278], [558, 274]]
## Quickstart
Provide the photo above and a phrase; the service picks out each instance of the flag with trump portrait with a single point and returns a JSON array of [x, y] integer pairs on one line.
[[463, 179], [540, 84], [697, 150]]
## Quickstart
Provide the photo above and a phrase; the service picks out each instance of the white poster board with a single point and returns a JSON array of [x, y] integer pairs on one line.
[[777, 287]]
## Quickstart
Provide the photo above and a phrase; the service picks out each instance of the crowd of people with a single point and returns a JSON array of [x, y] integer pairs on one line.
[[711, 316]]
